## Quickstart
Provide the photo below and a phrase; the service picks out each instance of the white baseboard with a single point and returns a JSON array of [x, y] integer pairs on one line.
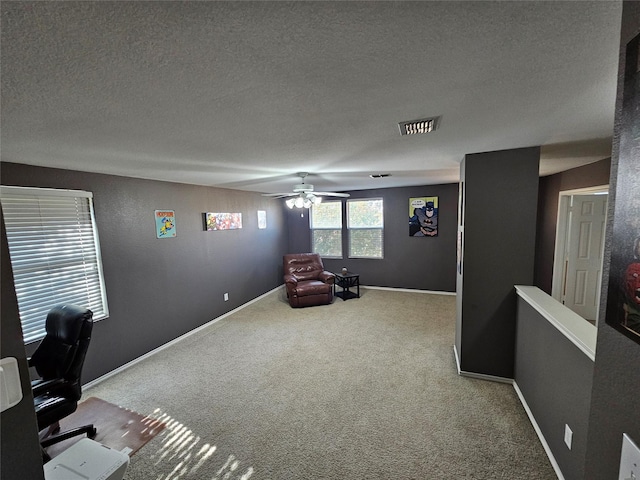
[[479, 376], [409, 290], [543, 441], [174, 341], [455, 353]]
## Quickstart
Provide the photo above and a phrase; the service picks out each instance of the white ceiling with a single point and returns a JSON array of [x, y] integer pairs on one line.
[[245, 94]]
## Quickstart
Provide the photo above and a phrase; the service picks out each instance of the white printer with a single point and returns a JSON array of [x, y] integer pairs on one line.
[[87, 460]]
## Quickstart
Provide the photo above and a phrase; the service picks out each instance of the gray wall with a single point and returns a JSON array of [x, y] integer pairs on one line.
[[555, 378], [426, 263], [159, 289], [591, 175], [616, 382], [500, 202], [19, 448]]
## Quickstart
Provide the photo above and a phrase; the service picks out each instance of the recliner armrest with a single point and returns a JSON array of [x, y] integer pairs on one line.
[[290, 280], [327, 277]]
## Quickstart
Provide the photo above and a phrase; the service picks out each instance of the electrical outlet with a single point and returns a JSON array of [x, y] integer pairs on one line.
[[629, 459], [568, 435], [226, 297]]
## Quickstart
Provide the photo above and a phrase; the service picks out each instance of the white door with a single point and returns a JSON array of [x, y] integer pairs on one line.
[[583, 260]]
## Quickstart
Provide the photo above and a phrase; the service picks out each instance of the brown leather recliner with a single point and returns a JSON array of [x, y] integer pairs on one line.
[[306, 280]]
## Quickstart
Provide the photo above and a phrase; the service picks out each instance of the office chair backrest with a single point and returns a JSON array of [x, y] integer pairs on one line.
[[61, 352]]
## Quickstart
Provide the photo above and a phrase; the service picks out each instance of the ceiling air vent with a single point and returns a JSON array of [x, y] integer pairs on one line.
[[413, 127]]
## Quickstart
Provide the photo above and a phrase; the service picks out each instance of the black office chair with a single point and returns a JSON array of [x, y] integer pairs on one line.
[[58, 360]]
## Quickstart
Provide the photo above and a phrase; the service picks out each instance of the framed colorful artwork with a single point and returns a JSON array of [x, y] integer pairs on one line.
[[423, 216], [165, 223], [222, 221]]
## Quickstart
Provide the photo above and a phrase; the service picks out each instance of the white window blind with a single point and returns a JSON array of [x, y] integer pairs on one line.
[[55, 253], [326, 229], [365, 222]]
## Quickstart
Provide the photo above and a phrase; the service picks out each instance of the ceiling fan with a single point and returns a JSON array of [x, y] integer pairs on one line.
[[303, 194]]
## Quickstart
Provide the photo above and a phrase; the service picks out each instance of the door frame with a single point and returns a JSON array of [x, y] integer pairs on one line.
[[559, 270]]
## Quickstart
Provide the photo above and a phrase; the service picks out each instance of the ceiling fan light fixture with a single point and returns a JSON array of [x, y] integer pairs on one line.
[[303, 195], [303, 200], [413, 127]]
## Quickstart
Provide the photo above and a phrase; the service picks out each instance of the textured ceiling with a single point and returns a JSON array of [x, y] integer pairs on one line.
[[245, 94]]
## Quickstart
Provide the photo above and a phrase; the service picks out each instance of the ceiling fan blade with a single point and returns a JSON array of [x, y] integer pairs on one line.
[[280, 195], [331, 194], [304, 190]]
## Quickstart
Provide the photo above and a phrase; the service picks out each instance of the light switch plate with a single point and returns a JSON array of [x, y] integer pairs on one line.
[[629, 459]]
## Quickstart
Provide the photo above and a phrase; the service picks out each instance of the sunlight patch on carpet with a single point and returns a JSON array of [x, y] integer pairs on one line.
[[182, 454]]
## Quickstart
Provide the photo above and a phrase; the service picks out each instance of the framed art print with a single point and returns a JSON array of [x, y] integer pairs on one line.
[[423, 217], [262, 219], [222, 221], [165, 223]]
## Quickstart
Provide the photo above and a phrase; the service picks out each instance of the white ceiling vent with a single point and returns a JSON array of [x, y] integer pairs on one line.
[[413, 127]]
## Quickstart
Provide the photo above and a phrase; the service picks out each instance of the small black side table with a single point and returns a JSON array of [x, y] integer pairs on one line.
[[346, 281]]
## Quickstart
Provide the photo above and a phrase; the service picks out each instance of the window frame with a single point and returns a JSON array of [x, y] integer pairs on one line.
[[350, 228], [29, 214], [337, 229]]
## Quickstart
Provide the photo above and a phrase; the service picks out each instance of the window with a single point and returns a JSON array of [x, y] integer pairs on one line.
[[365, 224], [326, 229], [55, 254]]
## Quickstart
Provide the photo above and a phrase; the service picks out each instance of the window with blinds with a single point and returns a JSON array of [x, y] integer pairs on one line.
[[326, 229], [365, 223], [55, 253]]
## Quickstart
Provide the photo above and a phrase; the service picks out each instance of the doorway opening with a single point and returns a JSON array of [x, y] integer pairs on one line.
[[580, 233]]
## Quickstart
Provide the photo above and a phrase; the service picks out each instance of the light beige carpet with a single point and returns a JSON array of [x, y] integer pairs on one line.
[[359, 389]]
